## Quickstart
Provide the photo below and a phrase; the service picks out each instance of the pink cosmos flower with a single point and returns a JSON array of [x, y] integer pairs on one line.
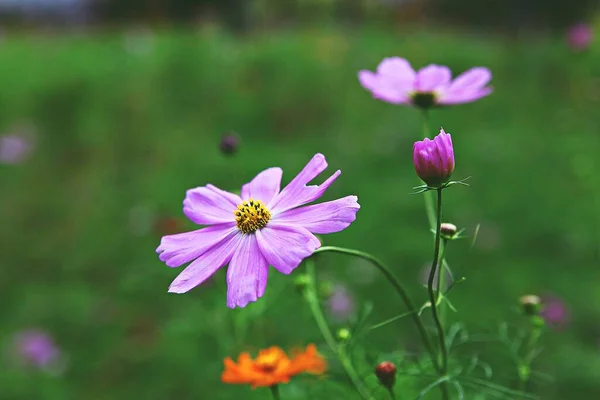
[[579, 36], [397, 82], [264, 226]]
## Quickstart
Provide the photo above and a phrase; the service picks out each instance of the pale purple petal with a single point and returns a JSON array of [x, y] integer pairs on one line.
[[475, 78], [397, 68], [296, 193], [176, 250], [205, 266], [264, 187], [432, 77], [381, 89], [460, 97], [467, 87], [368, 79], [393, 81], [329, 217], [246, 274], [207, 205], [285, 246]]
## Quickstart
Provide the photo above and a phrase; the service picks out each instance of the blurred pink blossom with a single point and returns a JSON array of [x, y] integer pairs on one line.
[[34, 347], [555, 311], [580, 36], [341, 303], [14, 148]]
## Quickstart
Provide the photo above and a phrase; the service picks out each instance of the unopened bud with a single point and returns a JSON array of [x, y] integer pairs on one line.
[[448, 230], [229, 143], [531, 304], [343, 334], [386, 373]]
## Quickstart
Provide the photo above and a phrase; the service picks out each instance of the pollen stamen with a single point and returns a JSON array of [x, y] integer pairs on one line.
[[251, 216]]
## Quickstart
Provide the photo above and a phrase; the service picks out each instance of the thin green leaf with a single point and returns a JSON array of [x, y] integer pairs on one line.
[[390, 320], [432, 385], [459, 390]]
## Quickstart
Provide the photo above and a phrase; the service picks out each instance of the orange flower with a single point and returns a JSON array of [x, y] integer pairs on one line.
[[272, 366]]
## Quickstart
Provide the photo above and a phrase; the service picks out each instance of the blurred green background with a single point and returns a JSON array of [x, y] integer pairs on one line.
[[123, 119]]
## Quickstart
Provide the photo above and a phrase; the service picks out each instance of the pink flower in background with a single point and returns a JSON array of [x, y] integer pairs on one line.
[[37, 348], [341, 303], [14, 148], [396, 82], [264, 226], [580, 36], [555, 312]]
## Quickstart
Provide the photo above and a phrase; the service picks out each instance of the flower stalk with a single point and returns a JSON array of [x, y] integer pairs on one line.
[[275, 392], [443, 350], [386, 271]]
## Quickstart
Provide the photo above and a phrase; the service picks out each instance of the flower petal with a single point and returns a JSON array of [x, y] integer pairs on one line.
[[467, 87], [328, 217], [384, 88], [297, 193], [475, 78], [206, 265], [460, 97], [285, 246], [397, 68], [176, 250], [393, 81], [247, 273], [264, 187], [432, 77], [368, 79], [207, 205]]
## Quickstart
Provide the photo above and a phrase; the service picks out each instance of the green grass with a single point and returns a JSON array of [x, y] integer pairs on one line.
[[120, 130]]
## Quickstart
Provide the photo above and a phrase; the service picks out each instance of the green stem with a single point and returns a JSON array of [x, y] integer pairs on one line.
[[526, 361], [310, 294], [432, 297], [275, 392], [440, 282], [392, 394], [385, 270]]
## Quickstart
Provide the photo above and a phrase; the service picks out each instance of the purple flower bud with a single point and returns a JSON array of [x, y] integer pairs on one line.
[[229, 143], [434, 159], [579, 36]]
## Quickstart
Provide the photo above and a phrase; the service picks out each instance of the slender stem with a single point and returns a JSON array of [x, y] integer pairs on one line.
[[310, 294], [385, 270], [440, 281], [527, 359], [432, 297], [275, 392], [392, 394]]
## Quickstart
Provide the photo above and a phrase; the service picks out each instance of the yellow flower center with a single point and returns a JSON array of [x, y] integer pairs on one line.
[[251, 216], [268, 360]]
